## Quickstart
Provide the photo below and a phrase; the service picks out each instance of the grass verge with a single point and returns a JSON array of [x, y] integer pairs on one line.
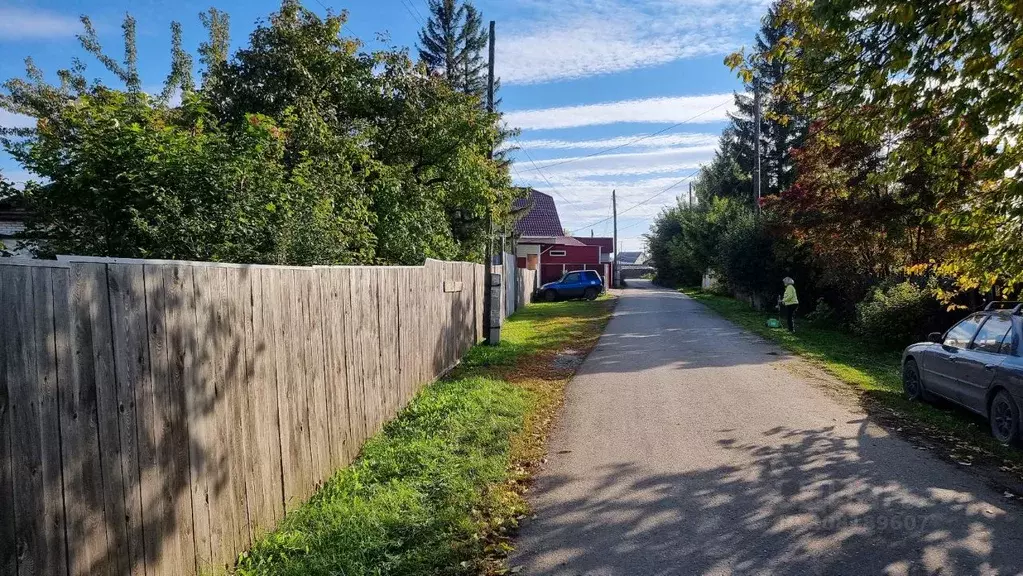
[[439, 490], [960, 435]]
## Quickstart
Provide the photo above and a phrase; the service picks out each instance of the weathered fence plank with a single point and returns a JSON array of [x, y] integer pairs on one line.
[[336, 378], [131, 368], [26, 419], [159, 416], [96, 547], [119, 522], [266, 501], [312, 332], [200, 398], [167, 511], [8, 546]]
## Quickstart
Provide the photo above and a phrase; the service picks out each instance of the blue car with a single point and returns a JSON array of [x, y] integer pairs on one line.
[[977, 364], [580, 284]]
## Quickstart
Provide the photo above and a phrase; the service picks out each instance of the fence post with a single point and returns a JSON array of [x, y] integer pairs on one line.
[[494, 293]]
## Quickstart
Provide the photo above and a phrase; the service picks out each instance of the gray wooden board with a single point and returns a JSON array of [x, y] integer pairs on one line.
[[130, 360]]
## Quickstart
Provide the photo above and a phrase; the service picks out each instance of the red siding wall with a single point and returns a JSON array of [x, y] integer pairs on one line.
[[573, 255]]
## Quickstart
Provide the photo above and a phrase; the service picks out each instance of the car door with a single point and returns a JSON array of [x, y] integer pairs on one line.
[[572, 285], [940, 366], [977, 365]]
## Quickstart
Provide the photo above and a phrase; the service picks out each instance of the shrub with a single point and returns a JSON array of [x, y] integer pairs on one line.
[[896, 315], [824, 315]]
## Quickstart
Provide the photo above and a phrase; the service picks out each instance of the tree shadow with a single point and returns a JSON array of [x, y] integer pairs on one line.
[[803, 501]]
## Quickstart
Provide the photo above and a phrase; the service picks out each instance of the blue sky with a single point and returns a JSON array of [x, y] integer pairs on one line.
[[579, 76]]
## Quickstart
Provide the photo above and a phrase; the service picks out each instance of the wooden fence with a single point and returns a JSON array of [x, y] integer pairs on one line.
[[157, 417]]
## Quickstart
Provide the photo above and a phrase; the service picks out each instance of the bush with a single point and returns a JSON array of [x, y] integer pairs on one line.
[[824, 315], [746, 257], [896, 315]]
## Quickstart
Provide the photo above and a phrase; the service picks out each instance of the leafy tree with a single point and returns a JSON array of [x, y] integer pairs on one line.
[[297, 149], [454, 44], [414, 146], [958, 62], [684, 242]]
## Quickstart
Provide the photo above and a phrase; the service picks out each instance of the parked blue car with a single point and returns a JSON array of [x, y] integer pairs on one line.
[[977, 364], [580, 284]]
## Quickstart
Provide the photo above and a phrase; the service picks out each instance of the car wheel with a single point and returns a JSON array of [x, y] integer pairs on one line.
[[550, 295], [911, 382], [1004, 418], [590, 294]]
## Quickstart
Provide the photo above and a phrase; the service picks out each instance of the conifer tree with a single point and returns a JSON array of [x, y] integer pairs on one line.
[[454, 43]]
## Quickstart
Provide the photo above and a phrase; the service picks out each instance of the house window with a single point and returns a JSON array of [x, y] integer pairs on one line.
[[558, 253]]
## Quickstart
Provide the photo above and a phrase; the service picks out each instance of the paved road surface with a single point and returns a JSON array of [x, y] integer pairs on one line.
[[688, 447]]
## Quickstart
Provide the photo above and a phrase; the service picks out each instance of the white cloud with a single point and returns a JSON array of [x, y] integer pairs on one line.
[[659, 141], [26, 23], [633, 163], [695, 109], [570, 39]]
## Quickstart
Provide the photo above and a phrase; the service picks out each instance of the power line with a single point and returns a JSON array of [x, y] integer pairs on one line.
[[634, 141], [344, 25], [553, 189], [412, 3], [415, 16], [638, 204]]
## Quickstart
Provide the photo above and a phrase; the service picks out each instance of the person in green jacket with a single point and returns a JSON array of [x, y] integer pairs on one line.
[[789, 302]]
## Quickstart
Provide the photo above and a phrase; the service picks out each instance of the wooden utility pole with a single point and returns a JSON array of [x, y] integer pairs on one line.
[[614, 263], [488, 326], [756, 144], [690, 194]]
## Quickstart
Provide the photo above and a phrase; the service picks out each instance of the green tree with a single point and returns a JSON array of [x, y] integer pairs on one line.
[[959, 62], [454, 43], [782, 125]]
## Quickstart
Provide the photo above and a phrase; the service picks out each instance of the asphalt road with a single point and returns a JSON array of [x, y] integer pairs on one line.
[[689, 446]]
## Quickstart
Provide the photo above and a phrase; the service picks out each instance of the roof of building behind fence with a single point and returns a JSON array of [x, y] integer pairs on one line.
[[542, 218]]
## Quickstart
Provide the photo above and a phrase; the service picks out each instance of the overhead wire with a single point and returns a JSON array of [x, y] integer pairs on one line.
[[553, 189], [409, 7], [345, 25], [641, 203]]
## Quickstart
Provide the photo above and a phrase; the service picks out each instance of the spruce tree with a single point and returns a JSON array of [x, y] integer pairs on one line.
[[781, 128], [454, 43]]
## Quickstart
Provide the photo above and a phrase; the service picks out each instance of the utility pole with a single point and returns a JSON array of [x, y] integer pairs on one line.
[[614, 264], [756, 145], [690, 194], [492, 332]]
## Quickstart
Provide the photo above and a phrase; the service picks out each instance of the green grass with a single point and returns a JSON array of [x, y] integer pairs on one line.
[[540, 327], [436, 490], [873, 370]]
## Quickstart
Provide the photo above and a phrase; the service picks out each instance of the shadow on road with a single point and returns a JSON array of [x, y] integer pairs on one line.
[[808, 502]]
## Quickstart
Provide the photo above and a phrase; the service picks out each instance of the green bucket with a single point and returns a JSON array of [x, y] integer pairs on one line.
[[773, 323]]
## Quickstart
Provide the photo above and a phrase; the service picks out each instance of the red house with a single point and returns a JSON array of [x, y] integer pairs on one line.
[[542, 244]]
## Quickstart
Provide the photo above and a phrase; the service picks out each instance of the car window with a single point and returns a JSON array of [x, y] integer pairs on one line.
[[592, 276], [571, 278], [992, 333], [1007, 343], [961, 334]]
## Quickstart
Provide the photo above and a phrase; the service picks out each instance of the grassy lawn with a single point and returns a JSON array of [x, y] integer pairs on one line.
[[438, 491], [875, 372]]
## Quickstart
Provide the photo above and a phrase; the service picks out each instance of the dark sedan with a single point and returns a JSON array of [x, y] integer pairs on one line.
[[978, 364]]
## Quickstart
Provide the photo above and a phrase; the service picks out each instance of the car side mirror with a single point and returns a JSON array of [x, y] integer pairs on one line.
[[934, 337]]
